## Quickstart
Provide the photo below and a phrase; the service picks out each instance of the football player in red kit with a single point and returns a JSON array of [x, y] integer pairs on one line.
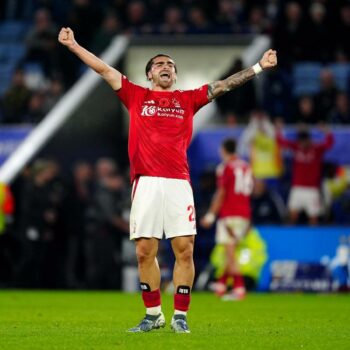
[[305, 192], [161, 119], [231, 204]]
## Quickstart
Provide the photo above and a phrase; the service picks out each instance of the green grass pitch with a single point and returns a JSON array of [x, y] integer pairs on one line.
[[98, 320]]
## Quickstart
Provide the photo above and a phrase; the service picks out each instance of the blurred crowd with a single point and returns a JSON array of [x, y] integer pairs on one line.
[[66, 230], [301, 31]]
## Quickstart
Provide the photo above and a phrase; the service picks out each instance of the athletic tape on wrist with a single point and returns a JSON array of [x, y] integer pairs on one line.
[[257, 68]]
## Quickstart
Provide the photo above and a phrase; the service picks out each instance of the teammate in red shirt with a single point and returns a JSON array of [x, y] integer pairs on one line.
[[160, 131], [231, 204], [306, 174]]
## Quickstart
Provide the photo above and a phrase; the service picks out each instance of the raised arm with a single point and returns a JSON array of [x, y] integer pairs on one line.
[[328, 141], [220, 87], [108, 73]]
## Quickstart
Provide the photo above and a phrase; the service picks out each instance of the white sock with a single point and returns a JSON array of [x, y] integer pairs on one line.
[[154, 311], [178, 312]]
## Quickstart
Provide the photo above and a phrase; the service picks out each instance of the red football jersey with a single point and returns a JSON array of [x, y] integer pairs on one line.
[[307, 163], [236, 178], [160, 131]]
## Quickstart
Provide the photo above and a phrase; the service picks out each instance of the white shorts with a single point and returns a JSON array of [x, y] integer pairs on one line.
[[306, 199], [237, 224], [161, 205]]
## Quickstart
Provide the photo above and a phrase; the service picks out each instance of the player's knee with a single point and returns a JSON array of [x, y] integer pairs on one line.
[[144, 254], [185, 255]]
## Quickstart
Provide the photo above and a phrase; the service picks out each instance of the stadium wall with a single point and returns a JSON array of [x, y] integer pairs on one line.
[[300, 248]]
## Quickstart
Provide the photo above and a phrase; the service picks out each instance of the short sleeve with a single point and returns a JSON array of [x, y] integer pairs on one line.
[[127, 92], [200, 97]]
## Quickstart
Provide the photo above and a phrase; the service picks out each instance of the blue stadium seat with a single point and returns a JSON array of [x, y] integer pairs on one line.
[[10, 55], [6, 72], [11, 52], [12, 31], [306, 78], [341, 72]]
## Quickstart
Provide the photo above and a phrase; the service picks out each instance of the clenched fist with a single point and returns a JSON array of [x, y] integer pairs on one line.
[[66, 37], [269, 59]]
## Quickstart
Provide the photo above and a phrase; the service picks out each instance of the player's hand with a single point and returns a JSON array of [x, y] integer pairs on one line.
[[205, 224], [207, 220], [66, 37], [269, 59]]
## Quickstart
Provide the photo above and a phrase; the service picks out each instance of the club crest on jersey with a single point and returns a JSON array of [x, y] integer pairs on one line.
[[176, 103]]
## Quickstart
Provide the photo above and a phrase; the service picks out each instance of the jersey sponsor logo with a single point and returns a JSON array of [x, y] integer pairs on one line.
[[150, 102], [148, 111], [171, 112]]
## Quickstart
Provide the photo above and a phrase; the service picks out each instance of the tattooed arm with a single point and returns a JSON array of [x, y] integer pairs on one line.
[[218, 88]]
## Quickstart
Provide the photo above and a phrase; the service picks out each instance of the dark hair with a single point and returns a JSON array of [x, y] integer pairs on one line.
[[151, 61], [303, 135], [229, 145]]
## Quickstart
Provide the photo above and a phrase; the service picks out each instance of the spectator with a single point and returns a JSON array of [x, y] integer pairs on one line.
[[106, 227], [41, 42], [343, 31], [136, 19], [77, 203], [334, 185], [306, 111], [85, 17], [306, 174], [319, 37], [111, 26], [37, 222], [257, 23], [325, 98], [240, 101], [341, 112], [16, 99], [277, 95], [7, 241], [198, 21], [36, 108], [289, 33], [173, 21], [229, 16], [267, 206], [7, 207], [272, 11], [258, 141], [53, 95]]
